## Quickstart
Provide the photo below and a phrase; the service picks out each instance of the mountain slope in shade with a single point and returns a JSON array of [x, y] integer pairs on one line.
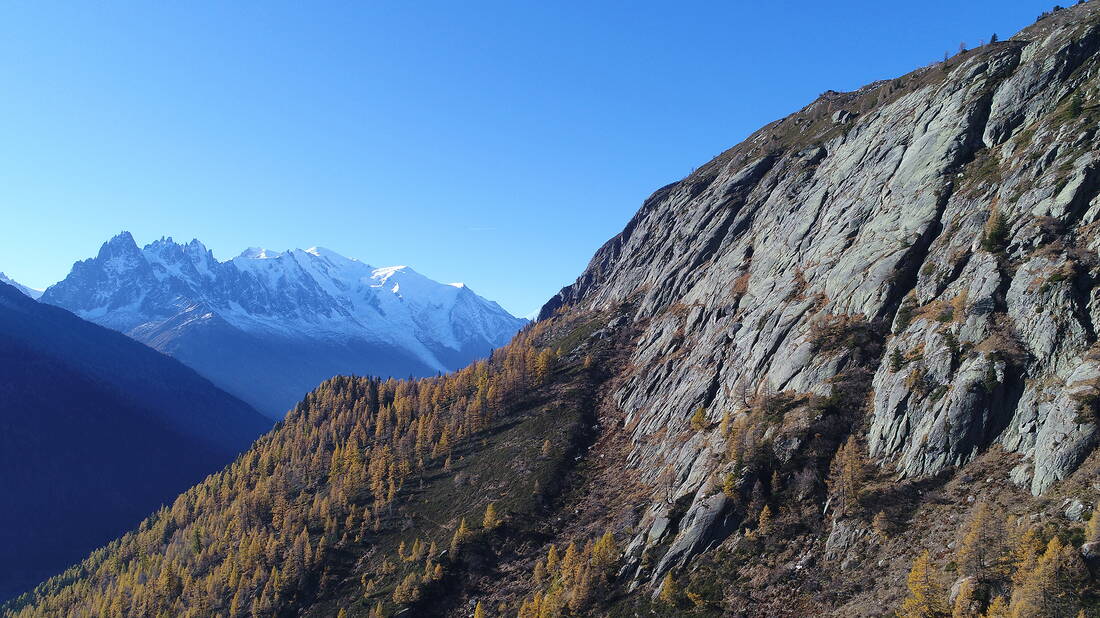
[[96, 431], [31, 292], [269, 326], [848, 368]]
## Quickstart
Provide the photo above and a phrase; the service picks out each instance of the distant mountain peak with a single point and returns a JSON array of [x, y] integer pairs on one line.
[[164, 291], [31, 292], [122, 240], [259, 253], [322, 252]]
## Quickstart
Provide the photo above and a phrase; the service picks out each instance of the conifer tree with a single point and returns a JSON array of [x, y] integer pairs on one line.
[[580, 592], [925, 598], [996, 233], [965, 603], [460, 536], [981, 545], [846, 480], [605, 552], [881, 525], [724, 425], [1025, 554], [569, 563], [998, 608], [699, 419], [552, 560], [670, 592], [763, 525], [1048, 589], [729, 485], [539, 574], [544, 365], [491, 520], [408, 591]]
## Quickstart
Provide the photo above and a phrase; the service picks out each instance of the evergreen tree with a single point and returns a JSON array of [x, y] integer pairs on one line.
[[981, 545], [846, 482], [1049, 589], [763, 525], [491, 520], [881, 525], [965, 602], [996, 233], [460, 536], [699, 419], [998, 608], [925, 598], [670, 592]]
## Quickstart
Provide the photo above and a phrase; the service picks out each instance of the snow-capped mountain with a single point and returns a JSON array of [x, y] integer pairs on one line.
[[269, 326], [33, 293]]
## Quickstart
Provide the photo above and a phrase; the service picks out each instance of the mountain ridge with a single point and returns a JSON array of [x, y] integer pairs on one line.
[[97, 431], [278, 309], [848, 368], [30, 292]]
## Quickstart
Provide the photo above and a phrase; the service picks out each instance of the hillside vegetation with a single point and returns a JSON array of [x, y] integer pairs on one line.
[[849, 367]]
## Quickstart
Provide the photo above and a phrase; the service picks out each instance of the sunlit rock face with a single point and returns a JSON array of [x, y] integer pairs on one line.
[[930, 251]]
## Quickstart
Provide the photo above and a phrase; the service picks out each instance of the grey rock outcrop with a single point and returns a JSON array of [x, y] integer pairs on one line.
[[932, 232]]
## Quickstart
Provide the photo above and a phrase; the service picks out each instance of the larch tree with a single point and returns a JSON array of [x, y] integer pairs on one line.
[[764, 522], [491, 520], [925, 598], [966, 605], [881, 525], [1092, 529], [998, 608], [846, 480], [981, 546], [1049, 589], [544, 365], [460, 536], [699, 419], [670, 592]]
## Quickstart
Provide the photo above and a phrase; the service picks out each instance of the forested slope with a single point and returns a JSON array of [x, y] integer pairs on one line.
[[849, 367], [370, 494], [96, 431]]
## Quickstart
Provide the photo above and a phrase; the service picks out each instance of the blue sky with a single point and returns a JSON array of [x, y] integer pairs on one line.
[[495, 143]]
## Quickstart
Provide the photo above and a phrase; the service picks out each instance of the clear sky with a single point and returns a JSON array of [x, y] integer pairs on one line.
[[495, 143]]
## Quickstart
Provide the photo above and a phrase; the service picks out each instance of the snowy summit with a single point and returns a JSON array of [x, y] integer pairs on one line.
[[312, 308]]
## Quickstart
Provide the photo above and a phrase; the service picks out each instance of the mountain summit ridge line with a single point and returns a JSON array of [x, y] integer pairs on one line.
[[269, 326]]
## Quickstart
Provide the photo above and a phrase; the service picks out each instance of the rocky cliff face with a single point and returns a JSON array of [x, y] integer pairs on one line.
[[927, 243], [866, 334]]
